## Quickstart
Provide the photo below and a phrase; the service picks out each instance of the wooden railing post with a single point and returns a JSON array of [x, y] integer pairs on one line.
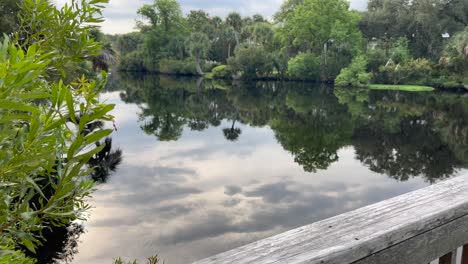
[[465, 255], [446, 259]]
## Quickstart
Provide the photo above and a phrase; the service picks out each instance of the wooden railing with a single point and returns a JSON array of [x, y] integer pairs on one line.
[[417, 227], [458, 256]]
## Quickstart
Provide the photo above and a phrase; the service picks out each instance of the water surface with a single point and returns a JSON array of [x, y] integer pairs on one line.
[[210, 166]]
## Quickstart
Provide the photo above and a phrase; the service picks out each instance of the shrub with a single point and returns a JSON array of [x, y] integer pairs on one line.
[[304, 66], [132, 62], [413, 71], [280, 63], [222, 72], [375, 58], [355, 74], [45, 140], [450, 81], [252, 61], [400, 52], [177, 67]]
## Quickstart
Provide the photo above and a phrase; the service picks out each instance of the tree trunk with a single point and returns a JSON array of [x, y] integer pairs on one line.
[[229, 50], [325, 76], [197, 65]]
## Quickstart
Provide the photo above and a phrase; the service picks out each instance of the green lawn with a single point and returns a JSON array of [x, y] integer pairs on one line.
[[409, 88]]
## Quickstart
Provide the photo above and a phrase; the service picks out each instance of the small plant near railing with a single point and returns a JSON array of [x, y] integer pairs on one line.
[[150, 260]]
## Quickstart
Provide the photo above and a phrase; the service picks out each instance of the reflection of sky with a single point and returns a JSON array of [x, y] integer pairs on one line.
[[202, 195]]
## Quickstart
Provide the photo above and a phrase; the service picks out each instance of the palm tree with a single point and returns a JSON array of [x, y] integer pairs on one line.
[[232, 37], [232, 133], [106, 57], [234, 20]]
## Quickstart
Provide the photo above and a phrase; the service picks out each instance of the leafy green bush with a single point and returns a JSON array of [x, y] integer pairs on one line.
[[45, 141], [177, 67], [413, 71], [252, 61], [132, 62], [280, 63], [304, 66], [456, 53], [400, 51], [450, 81], [222, 72], [150, 260], [375, 58], [355, 74]]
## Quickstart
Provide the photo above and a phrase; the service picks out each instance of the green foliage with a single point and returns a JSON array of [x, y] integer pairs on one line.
[[150, 260], [400, 52], [280, 63], [177, 67], [162, 13], [252, 61], [408, 88], [422, 22], [375, 58], [304, 66], [222, 72], [414, 71], [198, 45], [132, 62], [8, 16], [314, 23], [355, 74], [456, 52], [44, 138]]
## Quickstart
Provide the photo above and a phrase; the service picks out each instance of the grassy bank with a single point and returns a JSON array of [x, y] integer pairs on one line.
[[409, 88]]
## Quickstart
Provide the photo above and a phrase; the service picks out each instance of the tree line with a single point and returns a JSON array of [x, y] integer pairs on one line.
[[393, 42]]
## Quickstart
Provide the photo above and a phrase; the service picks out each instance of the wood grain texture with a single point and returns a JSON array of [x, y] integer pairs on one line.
[[425, 247], [353, 236]]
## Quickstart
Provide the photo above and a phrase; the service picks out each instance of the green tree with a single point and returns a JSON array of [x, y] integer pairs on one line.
[[456, 52], [355, 74], [198, 46], [252, 61], [198, 20], [305, 66], [163, 13], [231, 36], [319, 25], [234, 20], [9, 16]]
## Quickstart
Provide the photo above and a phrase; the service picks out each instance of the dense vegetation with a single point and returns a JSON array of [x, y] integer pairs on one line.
[[52, 141], [422, 42]]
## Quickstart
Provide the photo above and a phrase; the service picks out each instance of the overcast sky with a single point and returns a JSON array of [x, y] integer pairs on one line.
[[121, 14]]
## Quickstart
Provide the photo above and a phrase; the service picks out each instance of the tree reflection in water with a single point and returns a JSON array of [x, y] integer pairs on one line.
[[399, 134]]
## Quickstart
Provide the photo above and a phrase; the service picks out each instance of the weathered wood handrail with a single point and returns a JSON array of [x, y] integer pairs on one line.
[[419, 220]]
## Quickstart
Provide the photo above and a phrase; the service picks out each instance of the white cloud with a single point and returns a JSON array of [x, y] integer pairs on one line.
[[121, 14]]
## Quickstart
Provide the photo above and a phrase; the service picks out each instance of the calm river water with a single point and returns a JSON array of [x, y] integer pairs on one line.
[[210, 166]]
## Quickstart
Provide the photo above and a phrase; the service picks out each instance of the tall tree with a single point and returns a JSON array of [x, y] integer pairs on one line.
[[198, 46], [234, 20], [162, 13], [318, 25], [231, 37]]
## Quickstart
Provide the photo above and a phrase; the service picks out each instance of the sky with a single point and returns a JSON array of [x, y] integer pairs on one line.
[[121, 14]]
